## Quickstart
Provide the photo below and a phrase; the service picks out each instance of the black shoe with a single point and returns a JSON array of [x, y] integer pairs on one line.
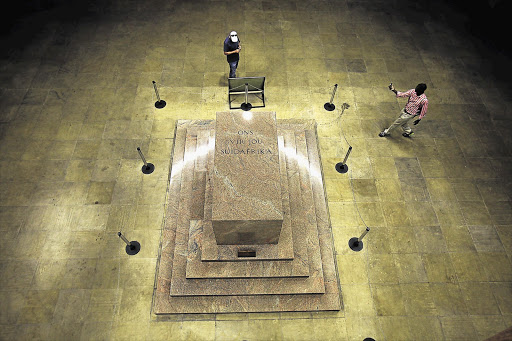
[[408, 134], [383, 134]]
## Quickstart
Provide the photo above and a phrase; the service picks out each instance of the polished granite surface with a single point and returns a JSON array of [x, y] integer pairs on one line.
[[306, 283], [246, 183]]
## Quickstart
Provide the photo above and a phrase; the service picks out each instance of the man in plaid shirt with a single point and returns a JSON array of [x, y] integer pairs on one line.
[[416, 105]]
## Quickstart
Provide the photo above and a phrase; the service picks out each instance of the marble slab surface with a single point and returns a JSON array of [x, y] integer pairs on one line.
[[179, 212], [283, 250], [247, 204], [302, 217], [264, 264]]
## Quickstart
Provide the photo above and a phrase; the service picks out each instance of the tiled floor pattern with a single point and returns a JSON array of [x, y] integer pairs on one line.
[[78, 100]]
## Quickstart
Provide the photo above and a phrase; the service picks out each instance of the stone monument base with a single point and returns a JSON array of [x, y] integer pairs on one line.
[[195, 275]]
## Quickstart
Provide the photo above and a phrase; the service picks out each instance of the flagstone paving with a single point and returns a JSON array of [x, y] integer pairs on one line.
[[77, 99]]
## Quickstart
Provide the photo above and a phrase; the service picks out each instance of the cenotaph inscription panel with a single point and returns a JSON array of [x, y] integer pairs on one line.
[[247, 204]]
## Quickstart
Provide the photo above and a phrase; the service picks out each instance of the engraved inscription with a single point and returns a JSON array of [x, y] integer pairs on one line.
[[237, 146], [246, 191]]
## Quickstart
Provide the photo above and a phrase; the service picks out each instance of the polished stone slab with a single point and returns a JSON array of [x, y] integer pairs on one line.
[[226, 301], [301, 266], [264, 263], [283, 250], [246, 201], [243, 267]]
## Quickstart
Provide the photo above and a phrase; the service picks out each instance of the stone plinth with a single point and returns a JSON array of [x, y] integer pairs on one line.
[[190, 282], [247, 202]]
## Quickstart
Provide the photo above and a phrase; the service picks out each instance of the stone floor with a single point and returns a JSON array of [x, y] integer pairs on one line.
[[77, 99]]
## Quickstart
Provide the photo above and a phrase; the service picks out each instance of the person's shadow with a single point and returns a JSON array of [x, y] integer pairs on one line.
[[223, 81]]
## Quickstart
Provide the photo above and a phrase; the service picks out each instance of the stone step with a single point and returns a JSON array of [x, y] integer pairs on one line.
[[331, 299], [208, 245], [300, 230], [166, 254], [286, 238], [308, 208], [199, 182], [176, 170], [184, 214], [174, 196]]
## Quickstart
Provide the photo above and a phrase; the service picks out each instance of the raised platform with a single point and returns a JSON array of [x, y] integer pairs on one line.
[[195, 275]]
